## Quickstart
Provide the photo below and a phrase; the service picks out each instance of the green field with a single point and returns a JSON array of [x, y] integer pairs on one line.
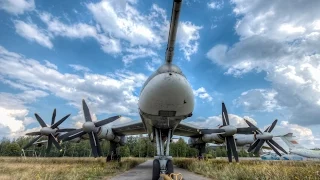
[[63, 168], [252, 169]]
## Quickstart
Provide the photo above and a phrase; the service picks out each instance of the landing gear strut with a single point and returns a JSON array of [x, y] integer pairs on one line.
[[202, 149], [162, 164], [114, 154]]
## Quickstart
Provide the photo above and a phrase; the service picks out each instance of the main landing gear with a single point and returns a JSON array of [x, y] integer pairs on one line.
[[114, 154], [162, 164]]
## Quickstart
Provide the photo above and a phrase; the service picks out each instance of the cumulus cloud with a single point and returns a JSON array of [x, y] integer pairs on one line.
[[258, 100], [14, 114], [215, 5], [202, 93], [278, 38], [17, 7], [78, 67], [111, 94], [123, 21], [32, 32]]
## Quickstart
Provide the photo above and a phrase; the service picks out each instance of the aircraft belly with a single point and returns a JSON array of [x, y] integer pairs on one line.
[[168, 93]]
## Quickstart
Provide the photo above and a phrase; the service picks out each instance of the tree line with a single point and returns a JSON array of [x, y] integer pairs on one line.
[[135, 147]]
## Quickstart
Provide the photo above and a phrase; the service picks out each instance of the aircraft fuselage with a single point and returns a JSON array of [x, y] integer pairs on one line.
[[165, 99]]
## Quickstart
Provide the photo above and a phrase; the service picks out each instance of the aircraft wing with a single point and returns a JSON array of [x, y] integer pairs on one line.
[[131, 128], [186, 129]]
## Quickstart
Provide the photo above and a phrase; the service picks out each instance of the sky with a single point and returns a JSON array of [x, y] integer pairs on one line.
[[259, 57]]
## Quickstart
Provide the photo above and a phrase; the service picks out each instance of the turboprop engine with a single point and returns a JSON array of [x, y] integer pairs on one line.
[[107, 133], [241, 141], [206, 138]]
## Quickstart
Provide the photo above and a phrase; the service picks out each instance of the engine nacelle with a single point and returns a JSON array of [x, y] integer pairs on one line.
[[76, 140], [107, 133], [206, 138], [241, 141]]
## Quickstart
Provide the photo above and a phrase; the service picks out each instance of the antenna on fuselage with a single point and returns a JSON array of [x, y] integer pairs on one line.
[[173, 29]]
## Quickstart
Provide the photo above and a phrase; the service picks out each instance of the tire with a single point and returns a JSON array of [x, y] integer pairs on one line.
[[108, 159], [156, 170], [169, 167]]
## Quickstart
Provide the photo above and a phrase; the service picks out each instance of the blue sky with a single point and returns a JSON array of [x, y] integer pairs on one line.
[[259, 59]]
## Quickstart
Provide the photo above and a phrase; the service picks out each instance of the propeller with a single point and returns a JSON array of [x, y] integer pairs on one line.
[[262, 137], [227, 131], [50, 132], [90, 128]]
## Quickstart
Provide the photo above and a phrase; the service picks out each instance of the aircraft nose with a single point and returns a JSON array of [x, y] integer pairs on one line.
[[167, 92]]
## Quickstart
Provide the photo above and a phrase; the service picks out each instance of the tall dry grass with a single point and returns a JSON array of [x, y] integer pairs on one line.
[[252, 169], [62, 168]]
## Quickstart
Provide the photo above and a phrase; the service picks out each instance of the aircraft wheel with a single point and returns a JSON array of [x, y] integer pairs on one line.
[[108, 159], [156, 170], [118, 158], [169, 167]]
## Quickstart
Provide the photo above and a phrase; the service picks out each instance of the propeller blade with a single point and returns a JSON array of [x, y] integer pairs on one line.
[[277, 145], [65, 130], [258, 147], [233, 148], [210, 131], [273, 125], [93, 144], [251, 125], [98, 144], [225, 118], [228, 149], [33, 133], [74, 136], [32, 141], [53, 116], [267, 129], [55, 125], [86, 111], [253, 145], [50, 139], [273, 148], [55, 142], [248, 130], [62, 137], [40, 120], [106, 121]]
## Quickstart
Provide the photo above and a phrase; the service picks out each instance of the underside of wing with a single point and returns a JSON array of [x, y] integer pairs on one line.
[[131, 128], [186, 129]]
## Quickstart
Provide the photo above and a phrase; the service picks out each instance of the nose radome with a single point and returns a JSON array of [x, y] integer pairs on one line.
[[167, 92]]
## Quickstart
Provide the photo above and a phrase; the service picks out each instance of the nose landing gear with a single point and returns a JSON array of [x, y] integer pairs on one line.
[[162, 164]]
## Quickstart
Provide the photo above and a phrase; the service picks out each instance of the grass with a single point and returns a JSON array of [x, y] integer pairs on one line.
[[252, 169], [63, 168]]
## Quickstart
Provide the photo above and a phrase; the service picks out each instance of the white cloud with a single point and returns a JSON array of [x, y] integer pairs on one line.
[[50, 65], [17, 7], [116, 91], [187, 37], [14, 114], [202, 93], [277, 37], [138, 52], [215, 5], [258, 100], [78, 67], [149, 31], [81, 31], [33, 33]]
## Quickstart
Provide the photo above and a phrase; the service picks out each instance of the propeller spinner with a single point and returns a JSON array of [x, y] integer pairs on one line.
[[265, 136], [227, 131], [90, 128], [48, 131]]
